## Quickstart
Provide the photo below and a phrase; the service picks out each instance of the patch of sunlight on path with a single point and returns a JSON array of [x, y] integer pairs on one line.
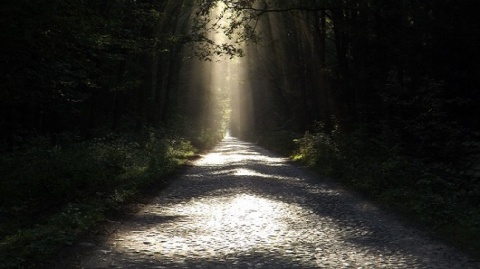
[[217, 226]]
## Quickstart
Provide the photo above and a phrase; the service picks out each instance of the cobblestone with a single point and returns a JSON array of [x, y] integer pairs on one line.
[[242, 207]]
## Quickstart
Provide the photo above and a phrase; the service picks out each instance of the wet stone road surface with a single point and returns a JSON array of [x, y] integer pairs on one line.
[[243, 207]]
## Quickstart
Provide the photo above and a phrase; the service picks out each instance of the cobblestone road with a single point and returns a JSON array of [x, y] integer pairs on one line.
[[243, 207]]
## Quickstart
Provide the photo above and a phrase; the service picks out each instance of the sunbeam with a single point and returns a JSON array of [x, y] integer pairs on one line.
[[227, 77], [217, 85]]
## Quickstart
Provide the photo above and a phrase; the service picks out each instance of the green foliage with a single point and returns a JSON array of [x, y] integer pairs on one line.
[[74, 66], [207, 137], [27, 248], [436, 193], [49, 196], [201, 136], [316, 148]]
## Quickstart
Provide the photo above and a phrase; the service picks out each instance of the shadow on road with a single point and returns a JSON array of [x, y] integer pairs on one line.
[[241, 206]]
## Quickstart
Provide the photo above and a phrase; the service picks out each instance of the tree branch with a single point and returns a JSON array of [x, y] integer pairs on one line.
[[261, 11]]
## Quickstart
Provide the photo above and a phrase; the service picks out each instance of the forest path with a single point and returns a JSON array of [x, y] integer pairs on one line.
[[241, 206]]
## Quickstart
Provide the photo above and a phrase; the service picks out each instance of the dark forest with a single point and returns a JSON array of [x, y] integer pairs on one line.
[[100, 100]]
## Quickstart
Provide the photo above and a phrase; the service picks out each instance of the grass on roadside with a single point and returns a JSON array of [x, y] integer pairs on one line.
[[435, 195], [441, 196], [51, 196]]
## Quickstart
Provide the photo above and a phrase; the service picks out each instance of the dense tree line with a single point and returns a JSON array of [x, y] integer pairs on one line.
[[90, 67], [403, 67], [78, 67], [369, 61]]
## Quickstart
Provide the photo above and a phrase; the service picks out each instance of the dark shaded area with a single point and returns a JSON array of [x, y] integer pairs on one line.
[[407, 66], [244, 261], [75, 71]]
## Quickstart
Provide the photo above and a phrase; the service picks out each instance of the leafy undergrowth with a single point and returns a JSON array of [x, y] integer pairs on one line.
[[49, 197], [443, 196]]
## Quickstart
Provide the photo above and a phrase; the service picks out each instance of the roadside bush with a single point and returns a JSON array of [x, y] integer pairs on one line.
[[206, 138], [442, 195], [49, 196]]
